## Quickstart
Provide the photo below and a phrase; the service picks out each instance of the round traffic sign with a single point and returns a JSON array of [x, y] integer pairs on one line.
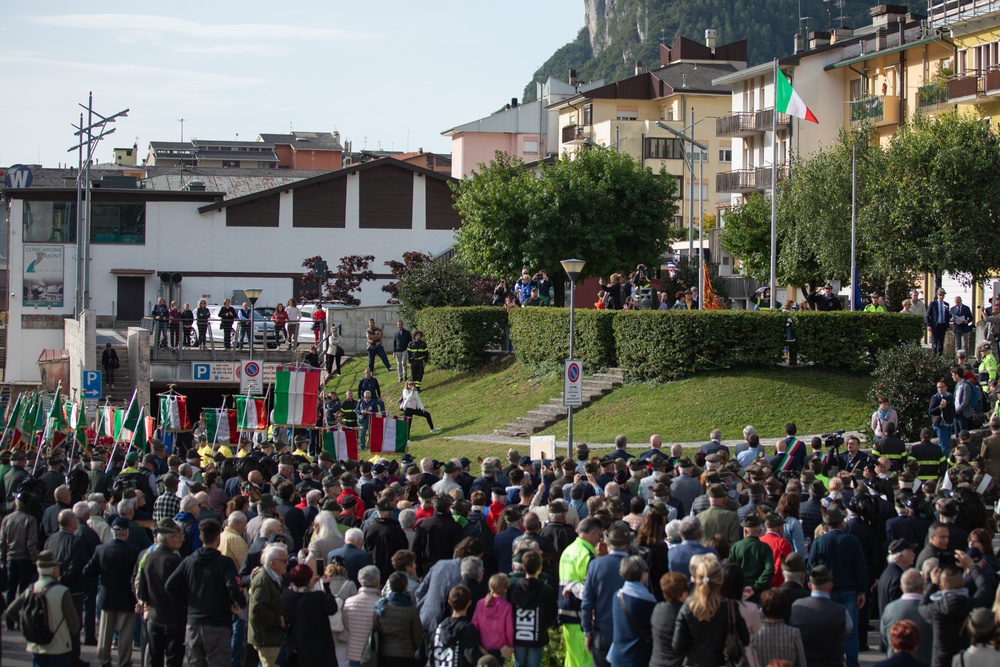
[[573, 372], [252, 369]]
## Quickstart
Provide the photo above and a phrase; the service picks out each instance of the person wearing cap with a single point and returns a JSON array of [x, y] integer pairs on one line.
[[900, 558], [780, 547], [503, 543], [793, 571], [165, 616], [981, 629], [891, 447], [754, 557], [942, 411], [63, 617], [603, 582], [573, 567], [822, 622], [437, 535], [449, 480], [686, 487], [384, 537], [718, 519], [18, 549], [850, 574], [990, 450], [114, 563], [348, 483], [488, 479], [874, 306], [938, 317], [12, 480]]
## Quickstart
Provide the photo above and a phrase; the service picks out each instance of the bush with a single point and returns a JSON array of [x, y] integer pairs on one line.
[[907, 375], [459, 338], [852, 341], [541, 336], [667, 345]]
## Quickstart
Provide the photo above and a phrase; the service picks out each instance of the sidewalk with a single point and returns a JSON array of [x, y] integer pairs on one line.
[[633, 445]]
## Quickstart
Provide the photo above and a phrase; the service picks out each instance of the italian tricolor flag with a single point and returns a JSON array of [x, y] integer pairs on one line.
[[173, 413], [250, 413], [388, 434], [221, 425], [341, 444], [789, 102], [296, 393]]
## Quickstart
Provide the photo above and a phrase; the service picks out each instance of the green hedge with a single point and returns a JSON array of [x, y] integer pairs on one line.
[[654, 345], [541, 335], [459, 338], [852, 341]]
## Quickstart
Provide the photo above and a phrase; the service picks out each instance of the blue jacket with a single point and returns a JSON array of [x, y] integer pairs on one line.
[[599, 589], [842, 553], [680, 556], [628, 648], [354, 559], [115, 563], [503, 547]]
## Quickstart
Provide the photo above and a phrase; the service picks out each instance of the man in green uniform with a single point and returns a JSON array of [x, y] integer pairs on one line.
[[754, 557], [572, 575]]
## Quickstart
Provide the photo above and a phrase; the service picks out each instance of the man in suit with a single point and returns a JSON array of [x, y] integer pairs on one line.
[[714, 444], [71, 553], [901, 557], [793, 570], [844, 552], [352, 553], [115, 562], [437, 535], [690, 546], [963, 399], [717, 519], [602, 584], [822, 622], [938, 318], [686, 487], [961, 322], [907, 608]]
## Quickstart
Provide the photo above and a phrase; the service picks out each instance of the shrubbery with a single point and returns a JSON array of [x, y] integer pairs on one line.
[[907, 375], [459, 338], [852, 341], [541, 335]]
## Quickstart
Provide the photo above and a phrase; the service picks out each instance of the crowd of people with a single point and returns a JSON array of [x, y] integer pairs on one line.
[[642, 556]]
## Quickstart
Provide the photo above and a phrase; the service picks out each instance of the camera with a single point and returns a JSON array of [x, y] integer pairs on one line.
[[835, 439]]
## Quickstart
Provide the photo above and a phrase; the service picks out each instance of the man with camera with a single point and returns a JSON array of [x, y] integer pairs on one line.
[[853, 459]]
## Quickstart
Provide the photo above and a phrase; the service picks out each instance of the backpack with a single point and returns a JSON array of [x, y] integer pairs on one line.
[[337, 619], [608, 301], [34, 616]]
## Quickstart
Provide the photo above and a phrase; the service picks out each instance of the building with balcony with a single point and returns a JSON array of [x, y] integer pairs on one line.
[[306, 150], [212, 154], [632, 116], [974, 83]]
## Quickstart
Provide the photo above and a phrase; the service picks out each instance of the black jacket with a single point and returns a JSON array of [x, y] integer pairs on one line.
[[702, 641], [946, 614], [461, 637], [437, 536], [534, 611], [206, 580], [163, 609], [72, 556], [382, 540], [664, 620], [115, 563]]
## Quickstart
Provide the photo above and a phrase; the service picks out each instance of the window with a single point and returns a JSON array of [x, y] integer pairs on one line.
[[628, 113], [264, 165], [962, 62], [696, 192], [725, 155], [231, 163], [699, 155], [118, 223], [663, 149], [49, 222], [530, 146], [588, 116], [857, 89]]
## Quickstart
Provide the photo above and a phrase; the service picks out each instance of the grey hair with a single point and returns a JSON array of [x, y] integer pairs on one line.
[[272, 551], [471, 567], [125, 506], [690, 528], [369, 576], [354, 536], [632, 568], [185, 470], [407, 518], [894, 558], [82, 510], [189, 501], [612, 490], [673, 530], [312, 498], [928, 567], [911, 582], [95, 507], [270, 527], [748, 431], [326, 525], [235, 518], [96, 498], [797, 577], [161, 538]]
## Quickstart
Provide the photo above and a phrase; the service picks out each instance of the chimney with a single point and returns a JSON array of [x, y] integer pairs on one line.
[[196, 186], [513, 103], [840, 34], [336, 136], [710, 36], [572, 77], [800, 43], [881, 40], [883, 15], [638, 67], [819, 38]]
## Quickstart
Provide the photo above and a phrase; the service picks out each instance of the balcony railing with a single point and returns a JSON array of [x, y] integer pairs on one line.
[[964, 87], [573, 133], [747, 123], [991, 82], [932, 95], [877, 109], [755, 179]]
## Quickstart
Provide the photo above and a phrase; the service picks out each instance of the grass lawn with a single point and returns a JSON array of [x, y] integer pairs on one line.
[[475, 403]]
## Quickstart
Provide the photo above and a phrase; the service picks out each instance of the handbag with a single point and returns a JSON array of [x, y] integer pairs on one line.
[[369, 656], [732, 648]]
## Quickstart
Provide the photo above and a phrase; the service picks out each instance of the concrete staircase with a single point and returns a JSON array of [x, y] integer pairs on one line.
[[123, 387], [549, 413]]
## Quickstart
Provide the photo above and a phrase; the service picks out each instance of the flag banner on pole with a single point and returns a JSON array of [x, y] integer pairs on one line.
[[55, 423], [173, 413], [296, 390], [221, 425], [16, 418], [250, 413], [14, 413], [144, 427], [789, 102], [106, 423], [130, 419], [78, 422], [341, 444], [388, 434], [708, 299]]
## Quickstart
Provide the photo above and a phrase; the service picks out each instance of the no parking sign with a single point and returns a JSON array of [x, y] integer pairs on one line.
[[573, 384], [251, 377]]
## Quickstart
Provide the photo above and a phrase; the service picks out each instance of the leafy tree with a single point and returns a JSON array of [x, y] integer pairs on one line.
[[601, 206], [440, 282], [907, 376], [747, 235], [337, 286], [399, 269]]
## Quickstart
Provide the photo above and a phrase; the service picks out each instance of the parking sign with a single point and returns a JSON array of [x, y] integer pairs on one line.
[[573, 384]]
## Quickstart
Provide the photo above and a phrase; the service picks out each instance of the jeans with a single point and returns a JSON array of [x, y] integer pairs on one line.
[[363, 435], [244, 335], [600, 645], [851, 644], [49, 660], [378, 351], [401, 359], [21, 573], [165, 644], [161, 333], [208, 645], [528, 656], [239, 638], [944, 437]]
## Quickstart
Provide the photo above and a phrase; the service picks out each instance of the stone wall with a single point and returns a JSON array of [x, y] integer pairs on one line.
[[81, 342], [354, 322], [138, 362]]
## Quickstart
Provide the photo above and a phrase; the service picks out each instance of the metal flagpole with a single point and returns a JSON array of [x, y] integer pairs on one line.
[[131, 442], [774, 192], [6, 427], [854, 224]]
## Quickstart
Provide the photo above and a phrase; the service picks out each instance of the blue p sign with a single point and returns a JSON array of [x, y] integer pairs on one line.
[[202, 371], [92, 384]]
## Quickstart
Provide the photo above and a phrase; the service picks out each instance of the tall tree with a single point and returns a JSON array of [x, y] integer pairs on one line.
[[440, 282], [747, 235], [337, 286]]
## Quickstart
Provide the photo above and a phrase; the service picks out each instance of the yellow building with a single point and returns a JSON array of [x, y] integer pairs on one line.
[[631, 116]]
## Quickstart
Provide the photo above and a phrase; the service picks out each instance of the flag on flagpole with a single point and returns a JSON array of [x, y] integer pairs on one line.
[[173, 413], [130, 418], [220, 423], [708, 300], [250, 413], [341, 444], [56, 424], [78, 422], [296, 391], [106, 422], [13, 413], [388, 434], [788, 101], [15, 417]]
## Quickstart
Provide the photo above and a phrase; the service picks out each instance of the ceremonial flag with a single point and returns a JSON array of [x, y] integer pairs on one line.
[[78, 422], [140, 438], [55, 424], [388, 434], [250, 413], [221, 425], [16, 417], [173, 413], [14, 413], [32, 418], [129, 419], [106, 422], [296, 390], [708, 299], [789, 101], [341, 444]]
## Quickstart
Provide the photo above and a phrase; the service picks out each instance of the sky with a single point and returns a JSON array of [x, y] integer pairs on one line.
[[387, 74]]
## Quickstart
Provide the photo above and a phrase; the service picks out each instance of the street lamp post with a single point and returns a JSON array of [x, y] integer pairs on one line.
[[252, 295], [573, 268]]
